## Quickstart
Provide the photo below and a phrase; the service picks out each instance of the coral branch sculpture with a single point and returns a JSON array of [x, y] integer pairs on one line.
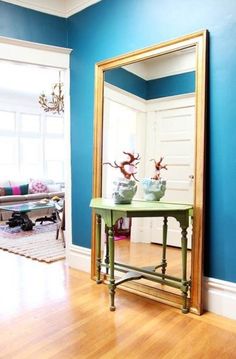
[[132, 161], [154, 188], [158, 168]]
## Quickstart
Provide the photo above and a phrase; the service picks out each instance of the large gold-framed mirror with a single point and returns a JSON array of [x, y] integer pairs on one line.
[[182, 56]]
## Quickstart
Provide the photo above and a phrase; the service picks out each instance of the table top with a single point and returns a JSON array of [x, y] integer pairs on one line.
[[27, 207], [139, 205]]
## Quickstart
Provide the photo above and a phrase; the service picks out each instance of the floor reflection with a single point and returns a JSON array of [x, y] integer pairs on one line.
[[145, 254]]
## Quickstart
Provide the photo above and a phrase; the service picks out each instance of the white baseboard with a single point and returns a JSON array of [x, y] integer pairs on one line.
[[220, 297], [79, 258]]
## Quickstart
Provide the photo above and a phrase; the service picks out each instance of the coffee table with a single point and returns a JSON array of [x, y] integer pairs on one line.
[[20, 213]]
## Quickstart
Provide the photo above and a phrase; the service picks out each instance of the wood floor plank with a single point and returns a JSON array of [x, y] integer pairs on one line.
[[49, 311]]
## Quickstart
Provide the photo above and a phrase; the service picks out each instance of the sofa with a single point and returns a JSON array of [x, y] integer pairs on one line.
[[19, 192]]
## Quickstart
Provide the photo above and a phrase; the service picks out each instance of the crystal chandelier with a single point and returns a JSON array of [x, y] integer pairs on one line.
[[56, 103]]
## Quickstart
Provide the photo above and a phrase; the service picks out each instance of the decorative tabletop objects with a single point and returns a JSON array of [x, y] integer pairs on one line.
[[125, 187], [154, 188]]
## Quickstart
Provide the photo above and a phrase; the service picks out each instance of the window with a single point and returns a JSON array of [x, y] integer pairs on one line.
[[31, 157], [29, 123], [31, 145], [7, 121], [54, 125], [8, 157]]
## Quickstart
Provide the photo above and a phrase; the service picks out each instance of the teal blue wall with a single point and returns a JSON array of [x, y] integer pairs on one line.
[[157, 88], [114, 27], [171, 85], [25, 24], [127, 81]]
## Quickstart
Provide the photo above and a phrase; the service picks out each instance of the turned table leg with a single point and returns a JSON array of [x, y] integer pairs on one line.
[[98, 248], [107, 260], [112, 285], [164, 243], [184, 269]]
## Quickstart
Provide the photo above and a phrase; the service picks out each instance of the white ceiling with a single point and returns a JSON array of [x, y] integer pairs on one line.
[[175, 63], [62, 8]]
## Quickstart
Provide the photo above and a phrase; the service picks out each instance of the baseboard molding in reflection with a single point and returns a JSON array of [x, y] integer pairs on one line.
[[220, 297]]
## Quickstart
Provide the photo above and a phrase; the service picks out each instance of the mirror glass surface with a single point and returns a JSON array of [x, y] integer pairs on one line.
[[149, 109]]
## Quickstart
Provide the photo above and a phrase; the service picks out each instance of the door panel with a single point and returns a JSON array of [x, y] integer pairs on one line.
[[175, 137]]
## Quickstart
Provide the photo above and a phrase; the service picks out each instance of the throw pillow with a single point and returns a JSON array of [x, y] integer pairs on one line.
[[2, 191], [37, 186], [14, 190]]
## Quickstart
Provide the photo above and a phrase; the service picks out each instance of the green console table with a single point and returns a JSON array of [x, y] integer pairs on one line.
[[110, 213]]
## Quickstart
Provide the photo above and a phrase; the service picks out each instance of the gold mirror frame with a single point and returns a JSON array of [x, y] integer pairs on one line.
[[199, 40]]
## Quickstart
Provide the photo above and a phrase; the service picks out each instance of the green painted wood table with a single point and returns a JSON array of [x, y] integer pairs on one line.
[[110, 212]]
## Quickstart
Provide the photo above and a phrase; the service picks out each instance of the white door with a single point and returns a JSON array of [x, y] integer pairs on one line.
[[174, 133]]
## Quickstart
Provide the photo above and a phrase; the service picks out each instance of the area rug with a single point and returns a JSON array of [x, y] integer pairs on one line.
[[16, 232], [39, 244]]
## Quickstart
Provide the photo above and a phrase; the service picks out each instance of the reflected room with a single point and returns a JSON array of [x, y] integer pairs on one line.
[[149, 110]]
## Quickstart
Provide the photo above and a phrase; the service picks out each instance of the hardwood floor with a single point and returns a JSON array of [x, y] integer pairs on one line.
[[143, 254], [147, 254], [51, 311]]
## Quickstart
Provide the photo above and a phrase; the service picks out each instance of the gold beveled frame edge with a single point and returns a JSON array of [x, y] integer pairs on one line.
[[200, 169], [198, 39]]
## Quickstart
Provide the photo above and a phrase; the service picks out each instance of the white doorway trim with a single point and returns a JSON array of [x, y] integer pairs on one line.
[[49, 56]]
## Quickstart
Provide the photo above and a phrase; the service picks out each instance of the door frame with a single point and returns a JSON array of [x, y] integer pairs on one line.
[[48, 56]]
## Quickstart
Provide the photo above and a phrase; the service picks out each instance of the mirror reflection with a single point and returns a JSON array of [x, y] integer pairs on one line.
[[149, 109]]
